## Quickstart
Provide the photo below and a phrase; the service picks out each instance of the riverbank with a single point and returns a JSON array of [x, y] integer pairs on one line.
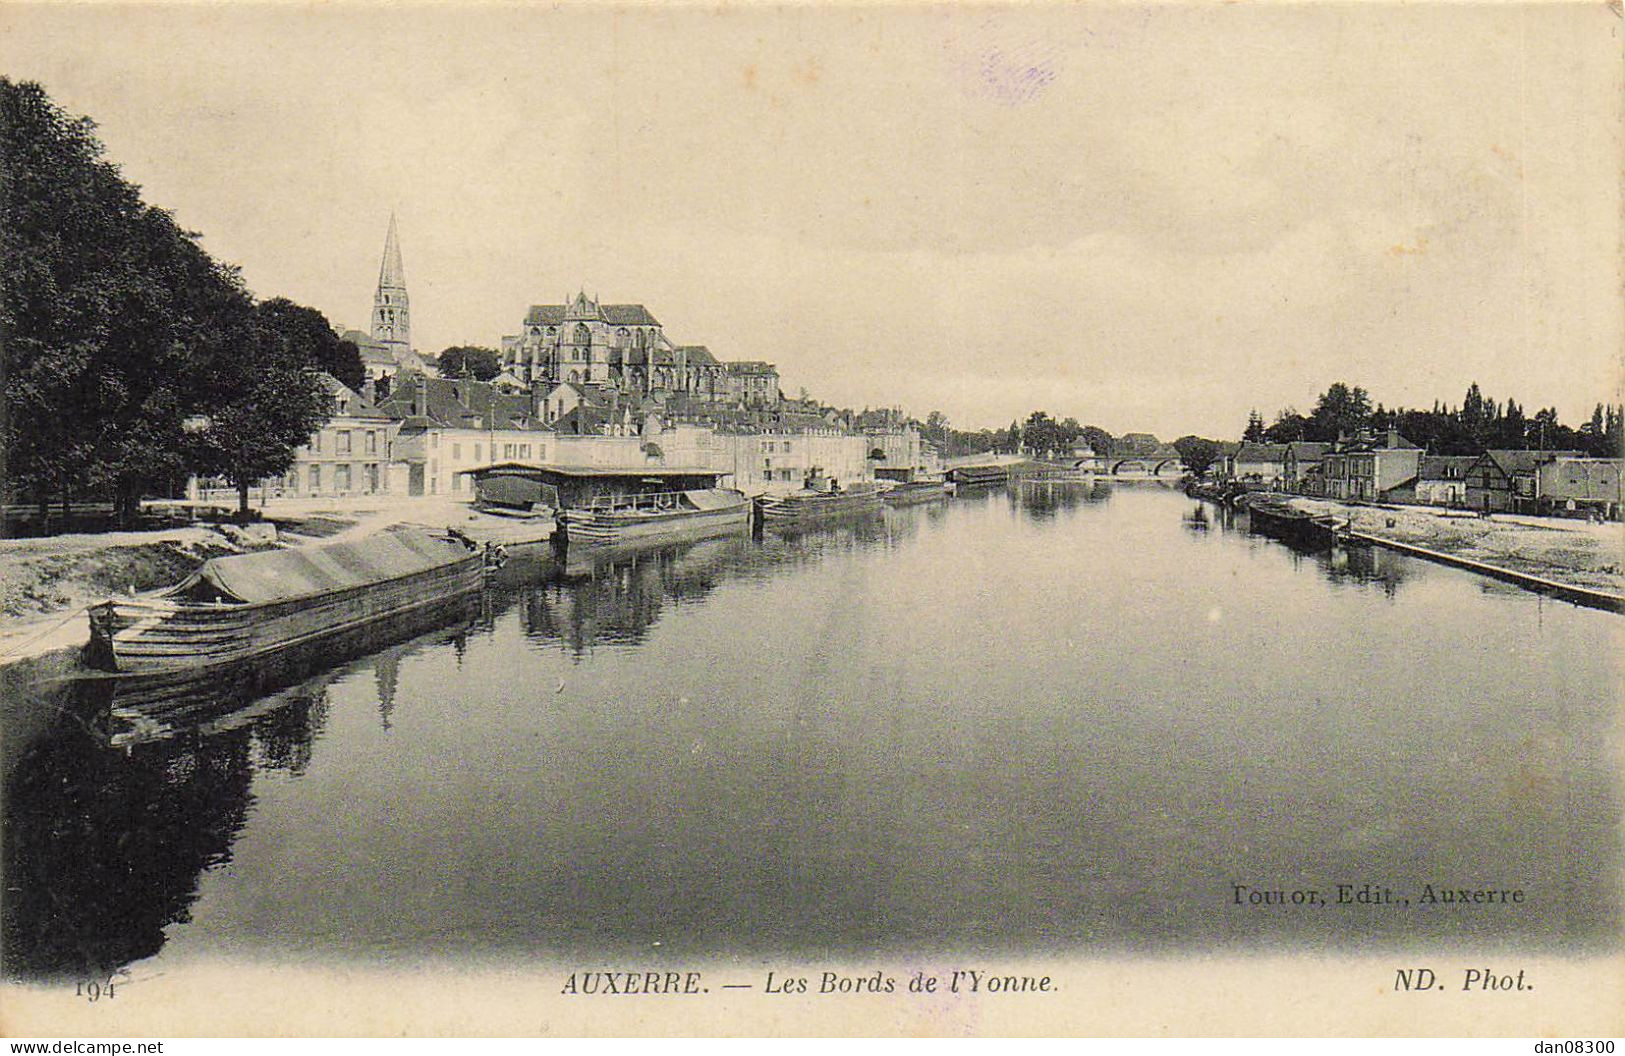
[[1569, 552], [47, 582]]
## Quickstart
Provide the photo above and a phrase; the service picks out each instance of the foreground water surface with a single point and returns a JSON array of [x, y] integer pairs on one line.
[[1055, 720]]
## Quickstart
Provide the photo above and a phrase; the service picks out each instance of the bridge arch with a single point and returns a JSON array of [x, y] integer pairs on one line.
[[1148, 465]]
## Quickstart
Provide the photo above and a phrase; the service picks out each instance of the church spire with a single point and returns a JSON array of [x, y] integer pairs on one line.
[[392, 273], [391, 313]]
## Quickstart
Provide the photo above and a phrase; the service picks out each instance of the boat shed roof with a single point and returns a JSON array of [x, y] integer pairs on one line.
[[592, 472]]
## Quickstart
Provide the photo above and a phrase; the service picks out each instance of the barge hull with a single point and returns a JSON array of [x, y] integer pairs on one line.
[[133, 635]]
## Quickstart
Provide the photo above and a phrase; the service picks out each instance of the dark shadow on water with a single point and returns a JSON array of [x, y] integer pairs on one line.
[[136, 786]]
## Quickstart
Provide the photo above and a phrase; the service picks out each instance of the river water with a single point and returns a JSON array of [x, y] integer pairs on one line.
[[1055, 720]]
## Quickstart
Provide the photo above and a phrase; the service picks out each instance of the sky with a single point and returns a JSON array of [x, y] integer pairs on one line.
[[1150, 218]]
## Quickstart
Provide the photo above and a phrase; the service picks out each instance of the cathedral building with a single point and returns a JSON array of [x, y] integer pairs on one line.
[[615, 346]]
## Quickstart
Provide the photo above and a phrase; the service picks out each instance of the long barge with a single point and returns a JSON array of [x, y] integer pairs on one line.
[[807, 507], [1281, 521], [247, 606], [914, 492], [674, 515]]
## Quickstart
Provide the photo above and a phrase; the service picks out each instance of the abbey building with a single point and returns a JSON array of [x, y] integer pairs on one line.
[[623, 348]]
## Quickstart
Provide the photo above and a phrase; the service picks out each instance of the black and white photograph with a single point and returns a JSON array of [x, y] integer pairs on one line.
[[869, 519]]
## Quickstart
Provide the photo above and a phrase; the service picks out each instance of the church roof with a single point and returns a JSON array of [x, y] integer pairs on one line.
[[698, 355], [372, 350], [613, 314]]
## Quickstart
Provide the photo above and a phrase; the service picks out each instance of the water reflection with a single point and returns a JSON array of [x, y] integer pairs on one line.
[[1038, 718], [613, 597], [103, 848], [1043, 500], [141, 784]]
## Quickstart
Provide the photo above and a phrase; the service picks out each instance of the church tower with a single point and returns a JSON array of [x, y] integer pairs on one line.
[[391, 316]]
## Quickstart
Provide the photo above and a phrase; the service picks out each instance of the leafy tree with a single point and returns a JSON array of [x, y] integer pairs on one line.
[[310, 329], [1098, 439], [469, 361], [1341, 411], [1045, 437], [1255, 431], [1198, 454], [268, 397], [935, 429], [104, 301], [1289, 426]]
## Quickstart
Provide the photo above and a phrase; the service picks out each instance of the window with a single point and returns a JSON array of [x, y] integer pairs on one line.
[[343, 441], [456, 452], [292, 481], [341, 479], [316, 442], [476, 452], [524, 450], [372, 442], [457, 482], [315, 480]]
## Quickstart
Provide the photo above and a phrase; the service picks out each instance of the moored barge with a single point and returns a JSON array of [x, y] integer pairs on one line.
[[915, 491], [813, 506], [247, 606], [1282, 521], [693, 514]]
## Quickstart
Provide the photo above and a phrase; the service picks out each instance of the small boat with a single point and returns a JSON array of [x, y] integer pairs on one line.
[[811, 506], [249, 605], [676, 515], [914, 491]]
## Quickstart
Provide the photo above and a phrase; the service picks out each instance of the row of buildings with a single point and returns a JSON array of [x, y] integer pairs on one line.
[[428, 434], [1386, 467], [584, 384]]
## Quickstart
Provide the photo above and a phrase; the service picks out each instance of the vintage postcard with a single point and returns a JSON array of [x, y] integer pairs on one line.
[[811, 519]]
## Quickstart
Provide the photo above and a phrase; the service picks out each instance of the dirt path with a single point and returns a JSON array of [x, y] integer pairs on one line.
[[46, 583], [1577, 553]]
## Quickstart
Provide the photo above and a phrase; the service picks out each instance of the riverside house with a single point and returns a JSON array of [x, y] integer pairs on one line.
[[450, 427], [1503, 481], [1441, 480], [1299, 462], [1369, 467], [1265, 463], [1572, 486], [351, 455]]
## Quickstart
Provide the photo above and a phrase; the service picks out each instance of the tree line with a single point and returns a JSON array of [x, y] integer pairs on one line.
[[1478, 424], [133, 359], [1040, 433]]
